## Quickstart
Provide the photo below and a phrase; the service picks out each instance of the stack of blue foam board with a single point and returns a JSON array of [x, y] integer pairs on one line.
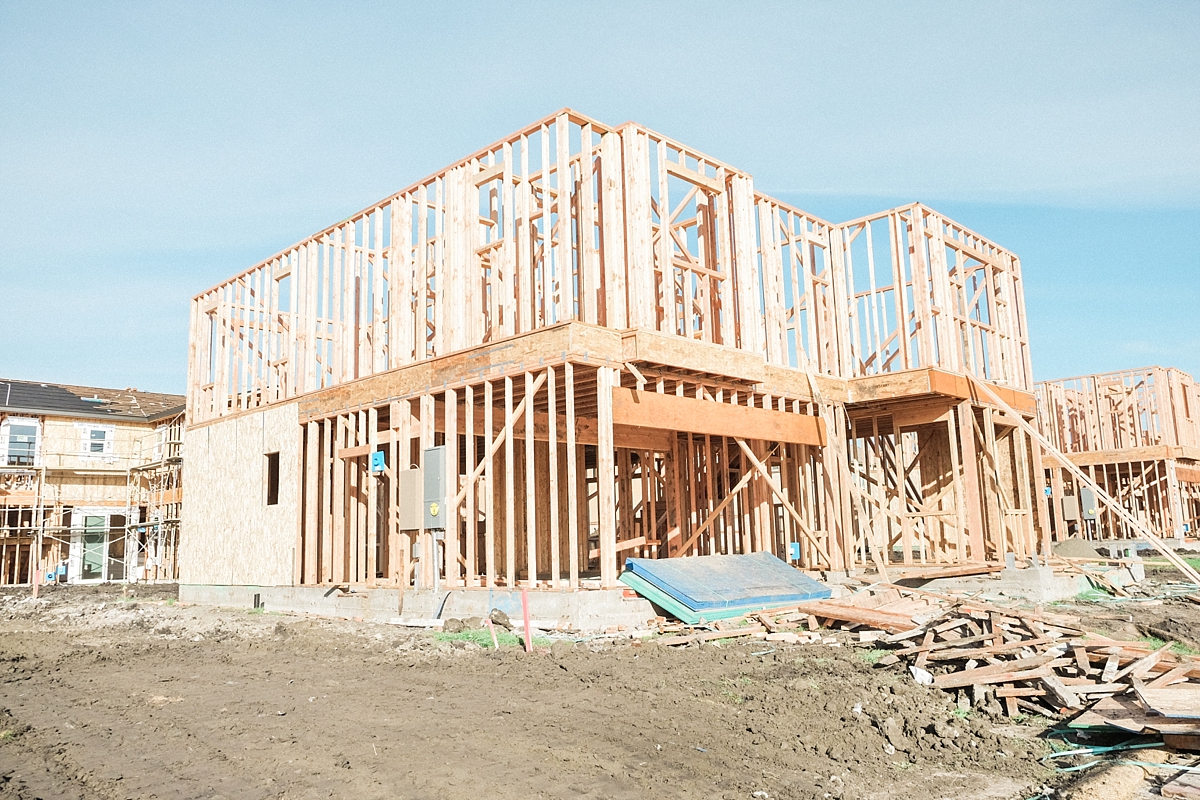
[[709, 588]]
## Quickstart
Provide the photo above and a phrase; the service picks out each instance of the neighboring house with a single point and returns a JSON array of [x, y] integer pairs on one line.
[[1137, 434], [90, 483]]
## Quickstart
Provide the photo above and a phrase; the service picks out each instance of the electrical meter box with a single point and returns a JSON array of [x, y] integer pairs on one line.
[[1088, 507], [435, 488]]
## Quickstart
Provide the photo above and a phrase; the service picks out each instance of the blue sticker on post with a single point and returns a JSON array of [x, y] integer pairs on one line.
[[378, 464]]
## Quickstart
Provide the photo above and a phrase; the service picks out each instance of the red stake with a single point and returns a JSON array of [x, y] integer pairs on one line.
[[525, 612], [492, 628]]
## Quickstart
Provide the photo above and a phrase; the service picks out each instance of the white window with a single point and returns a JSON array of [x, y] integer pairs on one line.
[[160, 442], [19, 440], [96, 441]]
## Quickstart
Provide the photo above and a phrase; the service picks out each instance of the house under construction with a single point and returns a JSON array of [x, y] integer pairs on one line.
[[90, 483], [583, 343], [1137, 435]]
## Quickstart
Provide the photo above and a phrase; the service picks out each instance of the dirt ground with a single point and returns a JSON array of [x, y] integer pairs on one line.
[[104, 696]]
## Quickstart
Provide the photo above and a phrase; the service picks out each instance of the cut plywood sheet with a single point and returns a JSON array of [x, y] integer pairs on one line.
[[1185, 786], [1181, 701], [1127, 714], [715, 583]]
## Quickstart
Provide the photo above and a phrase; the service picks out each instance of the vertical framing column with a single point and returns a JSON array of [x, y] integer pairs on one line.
[[453, 576], [971, 488], [313, 464], [994, 488], [510, 503], [606, 494], [530, 486], [471, 513], [572, 478], [489, 497], [372, 562], [552, 469], [337, 507], [428, 560], [1174, 500]]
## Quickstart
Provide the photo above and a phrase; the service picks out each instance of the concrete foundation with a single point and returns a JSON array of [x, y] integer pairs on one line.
[[588, 610], [1040, 584], [1033, 584]]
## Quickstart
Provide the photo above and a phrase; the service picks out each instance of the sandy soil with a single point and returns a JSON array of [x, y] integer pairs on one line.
[[109, 697]]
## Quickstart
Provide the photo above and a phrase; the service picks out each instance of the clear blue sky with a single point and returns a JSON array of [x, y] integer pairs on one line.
[[150, 150]]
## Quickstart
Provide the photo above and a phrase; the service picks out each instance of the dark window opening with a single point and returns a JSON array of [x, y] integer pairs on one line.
[[272, 479]]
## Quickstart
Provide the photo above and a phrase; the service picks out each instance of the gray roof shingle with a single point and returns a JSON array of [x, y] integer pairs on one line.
[[31, 397]]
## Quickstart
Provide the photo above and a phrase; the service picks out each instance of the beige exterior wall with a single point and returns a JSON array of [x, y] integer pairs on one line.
[[234, 537], [74, 475]]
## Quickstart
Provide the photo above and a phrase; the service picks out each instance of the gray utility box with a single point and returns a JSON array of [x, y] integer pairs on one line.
[[411, 505], [1088, 507], [435, 488], [1070, 508]]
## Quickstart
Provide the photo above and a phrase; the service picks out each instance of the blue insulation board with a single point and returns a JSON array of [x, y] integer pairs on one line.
[[712, 583]]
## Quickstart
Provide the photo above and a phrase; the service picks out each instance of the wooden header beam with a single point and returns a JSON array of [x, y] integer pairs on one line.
[[686, 414]]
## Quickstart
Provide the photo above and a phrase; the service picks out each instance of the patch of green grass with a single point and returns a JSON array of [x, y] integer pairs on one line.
[[170, 601], [259, 610], [962, 713], [733, 697], [1193, 561], [483, 638], [1179, 648], [871, 656], [8, 734]]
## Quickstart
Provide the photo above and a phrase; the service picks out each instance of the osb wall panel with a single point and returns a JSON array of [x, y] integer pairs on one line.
[[233, 537], [87, 490], [64, 444]]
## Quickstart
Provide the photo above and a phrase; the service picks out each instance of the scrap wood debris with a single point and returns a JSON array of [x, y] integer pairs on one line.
[[1030, 661]]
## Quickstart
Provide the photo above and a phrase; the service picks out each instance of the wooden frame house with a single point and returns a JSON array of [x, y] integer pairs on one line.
[[625, 350], [1137, 435]]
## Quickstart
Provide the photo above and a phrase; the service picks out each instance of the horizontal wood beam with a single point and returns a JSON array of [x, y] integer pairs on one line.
[[686, 414], [914, 382]]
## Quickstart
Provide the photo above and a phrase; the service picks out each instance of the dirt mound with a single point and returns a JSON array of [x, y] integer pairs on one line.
[[1075, 548]]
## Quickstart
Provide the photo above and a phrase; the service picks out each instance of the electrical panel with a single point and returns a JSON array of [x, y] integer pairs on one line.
[[1089, 508], [435, 488]]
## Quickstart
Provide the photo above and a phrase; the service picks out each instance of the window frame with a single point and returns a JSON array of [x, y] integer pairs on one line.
[[86, 441], [6, 440]]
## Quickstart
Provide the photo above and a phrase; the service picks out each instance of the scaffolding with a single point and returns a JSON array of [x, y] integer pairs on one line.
[[113, 520]]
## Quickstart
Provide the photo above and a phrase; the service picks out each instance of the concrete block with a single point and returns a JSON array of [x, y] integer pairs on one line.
[[1040, 584]]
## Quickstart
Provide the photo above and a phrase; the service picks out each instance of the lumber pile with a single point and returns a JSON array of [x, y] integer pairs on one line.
[[1029, 661], [1040, 662]]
